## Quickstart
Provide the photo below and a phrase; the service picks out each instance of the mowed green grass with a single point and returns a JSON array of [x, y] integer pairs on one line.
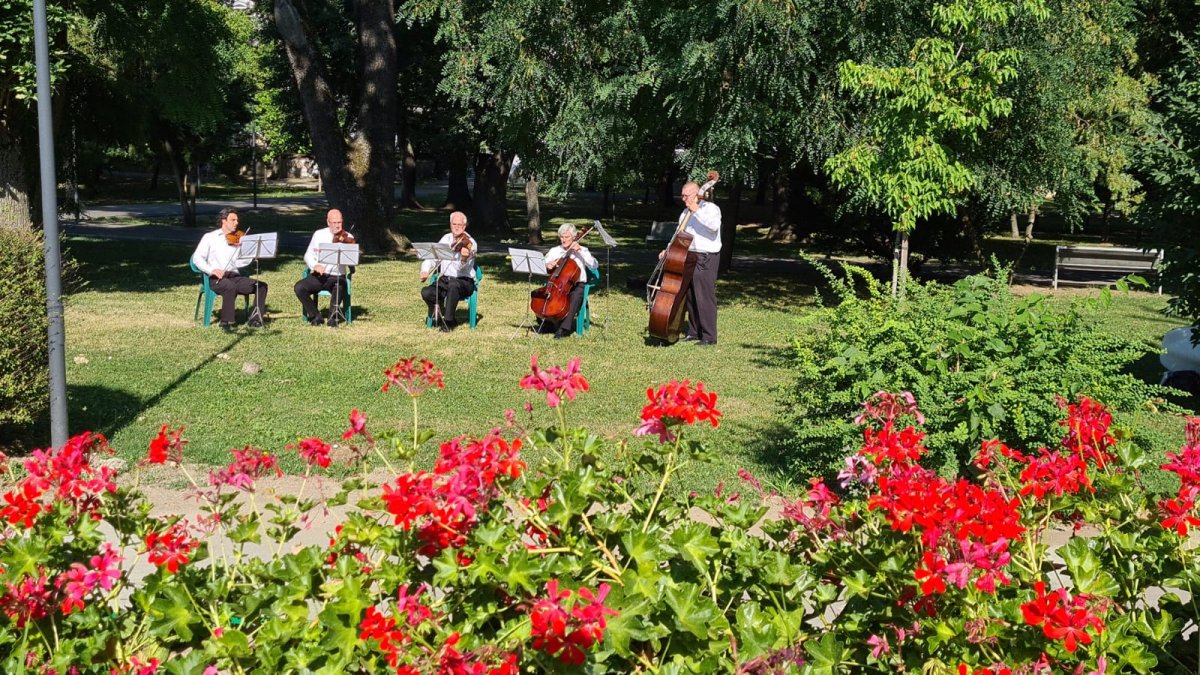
[[136, 359]]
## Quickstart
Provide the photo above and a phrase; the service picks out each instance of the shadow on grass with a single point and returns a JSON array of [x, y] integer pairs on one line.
[[107, 266], [109, 410]]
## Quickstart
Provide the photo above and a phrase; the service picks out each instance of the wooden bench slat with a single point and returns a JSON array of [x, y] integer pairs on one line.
[[1104, 259]]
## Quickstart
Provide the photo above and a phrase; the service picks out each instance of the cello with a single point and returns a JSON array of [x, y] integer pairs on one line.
[[665, 296], [553, 301]]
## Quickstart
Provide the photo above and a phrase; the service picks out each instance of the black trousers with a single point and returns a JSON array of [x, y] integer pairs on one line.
[[308, 288], [567, 325], [701, 300], [233, 285], [447, 292]]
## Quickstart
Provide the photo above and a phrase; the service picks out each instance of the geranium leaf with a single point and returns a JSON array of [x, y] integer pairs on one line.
[[693, 612], [756, 634], [695, 543]]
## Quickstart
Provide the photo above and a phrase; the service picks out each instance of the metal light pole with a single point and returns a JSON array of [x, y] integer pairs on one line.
[[254, 161], [54, 306]]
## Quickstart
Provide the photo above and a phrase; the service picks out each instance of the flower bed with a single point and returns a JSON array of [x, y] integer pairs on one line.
[[586, 560]]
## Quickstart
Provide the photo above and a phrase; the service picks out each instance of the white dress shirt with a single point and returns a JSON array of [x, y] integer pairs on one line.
[[582, 257], [214, 253], [460, 266], [705, 227], [320, 237]]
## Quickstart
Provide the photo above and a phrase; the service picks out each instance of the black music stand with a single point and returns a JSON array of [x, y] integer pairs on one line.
[[342, 255], [441, 253], [530, 262], [256, 247]]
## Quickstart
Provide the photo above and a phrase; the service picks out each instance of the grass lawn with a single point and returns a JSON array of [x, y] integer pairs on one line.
[[136, 360]]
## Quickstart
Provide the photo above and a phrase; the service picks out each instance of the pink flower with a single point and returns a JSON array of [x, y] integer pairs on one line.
[[358, 424], [555, 381], [879, 645], [655, 426], [249, 464]]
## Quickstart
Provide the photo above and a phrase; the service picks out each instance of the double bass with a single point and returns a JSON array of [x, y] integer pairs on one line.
[[669, 282], [553, 301]]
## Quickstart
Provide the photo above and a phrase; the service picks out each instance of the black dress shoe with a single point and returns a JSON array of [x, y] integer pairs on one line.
[[444, 328], [227, 327], [255, 323], [334, 323], [558, 335], [318, 321]]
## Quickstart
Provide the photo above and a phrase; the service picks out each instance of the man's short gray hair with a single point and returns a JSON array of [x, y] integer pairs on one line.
[[567, 228]]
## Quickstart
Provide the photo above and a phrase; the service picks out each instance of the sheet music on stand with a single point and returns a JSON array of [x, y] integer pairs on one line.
[[530, 262], [604, 235], [255, 246], [342, 255]]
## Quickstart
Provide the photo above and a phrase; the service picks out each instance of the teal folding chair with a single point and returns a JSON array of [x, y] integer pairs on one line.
[[583, 320], [347, 308], [208, 295], [472, 302]]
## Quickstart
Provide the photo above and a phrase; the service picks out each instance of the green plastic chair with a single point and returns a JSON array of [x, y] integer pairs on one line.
[[472, 302], [583, 320], [347, 308], [208, 295]]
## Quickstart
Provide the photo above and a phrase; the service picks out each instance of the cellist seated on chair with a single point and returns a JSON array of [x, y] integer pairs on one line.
[[570, 249], [456, 278]]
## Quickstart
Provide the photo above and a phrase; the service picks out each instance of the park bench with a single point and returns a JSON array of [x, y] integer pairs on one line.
[[1105, 259]]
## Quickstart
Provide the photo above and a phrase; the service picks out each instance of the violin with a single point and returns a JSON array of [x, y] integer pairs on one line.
[[460, 243], [234, 238], [343, 237]]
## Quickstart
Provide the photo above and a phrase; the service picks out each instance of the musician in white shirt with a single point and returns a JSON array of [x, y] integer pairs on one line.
[[217, 257], [456, 278], [701, 219], [330, 278], [569, 249]]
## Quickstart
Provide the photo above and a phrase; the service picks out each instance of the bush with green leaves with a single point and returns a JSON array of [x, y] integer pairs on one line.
[[23, 351], [984, 362]]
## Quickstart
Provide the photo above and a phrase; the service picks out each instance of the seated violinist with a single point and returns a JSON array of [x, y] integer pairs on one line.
[[216, 256], [456, 278], [330, 278], [569, 249]]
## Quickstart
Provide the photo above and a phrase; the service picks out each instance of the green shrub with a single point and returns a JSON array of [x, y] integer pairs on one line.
[[983, 362], [23, 353]]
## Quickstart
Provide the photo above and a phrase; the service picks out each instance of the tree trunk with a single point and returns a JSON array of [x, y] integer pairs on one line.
[[14, 185], [490, 208], [375, 144], [1013, 226], [781, 230], [729, 223], [365, 206], [606, 203], [182, 170], [764, 180], [408, 170], [903, 265], [1033, 212], [533, 211], [666, 187], [155, 173], [458, 192]]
